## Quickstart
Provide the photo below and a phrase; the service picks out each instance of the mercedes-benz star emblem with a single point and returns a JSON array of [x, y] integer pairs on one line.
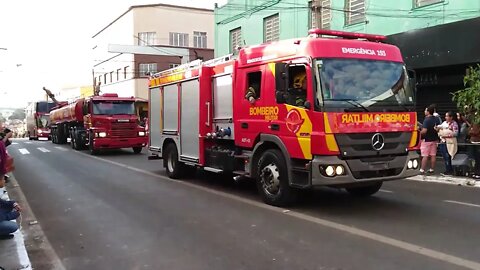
[[378, 142]]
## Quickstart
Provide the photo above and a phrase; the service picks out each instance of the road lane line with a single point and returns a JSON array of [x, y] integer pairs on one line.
[[28, 142], [462, 203], [437, 255], [14, 143], [61, 148], [23, 151], [385, 191], [43, 149]]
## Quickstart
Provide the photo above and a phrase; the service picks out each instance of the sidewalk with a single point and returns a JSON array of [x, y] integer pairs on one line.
[[13, 254], [452, 180]]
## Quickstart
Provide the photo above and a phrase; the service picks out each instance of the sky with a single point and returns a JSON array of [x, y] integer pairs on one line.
[[48, 43]]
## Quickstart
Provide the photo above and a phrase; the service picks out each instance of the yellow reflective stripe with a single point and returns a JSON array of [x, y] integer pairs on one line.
[[329, 137], [413, 139], [306, 128], [271, 66]]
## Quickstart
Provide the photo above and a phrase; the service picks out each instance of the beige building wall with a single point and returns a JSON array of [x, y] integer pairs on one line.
[[117, 72]]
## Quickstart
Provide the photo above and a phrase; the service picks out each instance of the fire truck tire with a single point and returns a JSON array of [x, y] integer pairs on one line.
[[91, 147], [173, 166], [272, 180], [137, 150], [365, 191], [72, 139]]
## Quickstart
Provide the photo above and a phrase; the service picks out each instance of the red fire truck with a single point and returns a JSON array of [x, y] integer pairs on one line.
[[99, 122], [355, 127], [38, 120]]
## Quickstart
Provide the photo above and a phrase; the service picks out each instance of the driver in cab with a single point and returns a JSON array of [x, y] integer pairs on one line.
[[298, 94]]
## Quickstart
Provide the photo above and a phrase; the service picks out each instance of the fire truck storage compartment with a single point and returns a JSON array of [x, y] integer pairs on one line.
[[155, 118], [189, 117], [222, 104], [220, 158], [170, 108]]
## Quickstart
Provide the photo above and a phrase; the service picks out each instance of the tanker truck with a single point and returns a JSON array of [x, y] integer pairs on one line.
[[98, 122]]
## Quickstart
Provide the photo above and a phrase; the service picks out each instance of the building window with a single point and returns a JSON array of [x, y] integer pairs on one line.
[[235, 39], [354, 11], [125, 69], [118, 74], [320, 14], [200, 39], [147, 38], [105, 78], [147, 69], [271, 28], [421, 3], [111, 76], [173, 65], [179, 39]]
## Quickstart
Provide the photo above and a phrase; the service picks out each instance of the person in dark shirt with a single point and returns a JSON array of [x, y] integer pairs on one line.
[[9, 210], [428, 146]]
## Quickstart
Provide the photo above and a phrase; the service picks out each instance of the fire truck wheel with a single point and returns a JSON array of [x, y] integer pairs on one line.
[[72, 139], [91, 148], [173, 166], [365, 191], [137, 150], [272, 181]]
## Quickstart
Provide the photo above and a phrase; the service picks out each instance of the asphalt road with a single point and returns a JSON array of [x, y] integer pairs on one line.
[[119, 211]]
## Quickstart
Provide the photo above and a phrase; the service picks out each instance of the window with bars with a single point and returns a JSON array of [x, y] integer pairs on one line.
[[354, 11], [200, 39], [235, 39], [146, 38], [421, 3], [178, 39], [147, 69], [271, 28], [320, 14]]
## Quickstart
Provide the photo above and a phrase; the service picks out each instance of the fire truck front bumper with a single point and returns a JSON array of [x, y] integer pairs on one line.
[[333, 171], [116, 143]]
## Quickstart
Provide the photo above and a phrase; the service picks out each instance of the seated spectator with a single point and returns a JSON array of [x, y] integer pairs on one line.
[[9, 210]]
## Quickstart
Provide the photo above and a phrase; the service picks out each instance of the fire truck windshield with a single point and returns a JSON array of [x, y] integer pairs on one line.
[[43, 121], [363, 84], [113, 108]]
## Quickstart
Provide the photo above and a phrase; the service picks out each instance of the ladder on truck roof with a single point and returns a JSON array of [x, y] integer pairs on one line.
[[194, 64]]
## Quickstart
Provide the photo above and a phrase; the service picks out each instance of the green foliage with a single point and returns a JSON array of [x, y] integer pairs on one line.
[[468, 99], [17, 114]]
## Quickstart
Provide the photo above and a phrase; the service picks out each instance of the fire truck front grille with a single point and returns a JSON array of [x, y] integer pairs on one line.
[[360, 144], [374, 174], [123, 130]]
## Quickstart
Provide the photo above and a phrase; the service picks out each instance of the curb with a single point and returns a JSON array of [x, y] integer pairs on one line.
[[449, 180], [14, 253]]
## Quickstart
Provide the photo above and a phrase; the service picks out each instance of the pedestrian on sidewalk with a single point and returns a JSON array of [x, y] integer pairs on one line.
[[448, 132], [428, 146], [9, 210], [438, 118], [463, 127], [474, 133]]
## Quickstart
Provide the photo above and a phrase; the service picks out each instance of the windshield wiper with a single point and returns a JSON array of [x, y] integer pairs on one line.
[[403, 106], [351, 102]]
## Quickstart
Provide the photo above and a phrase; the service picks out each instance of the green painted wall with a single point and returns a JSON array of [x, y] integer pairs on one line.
[[382, 17]]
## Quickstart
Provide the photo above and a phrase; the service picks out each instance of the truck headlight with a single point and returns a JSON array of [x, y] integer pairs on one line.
[[330, 171], [410, 164], [40, 131], [141, 133], [102, 134]]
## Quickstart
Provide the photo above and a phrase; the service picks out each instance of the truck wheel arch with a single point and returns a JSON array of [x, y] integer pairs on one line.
[[165, 143], [268, 141]]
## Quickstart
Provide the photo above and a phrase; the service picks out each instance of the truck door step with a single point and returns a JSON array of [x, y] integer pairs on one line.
[[214, 170]]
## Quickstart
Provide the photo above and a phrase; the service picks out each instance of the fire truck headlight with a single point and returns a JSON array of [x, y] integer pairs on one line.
[[410, 164], [141, 133], [415, 163], [340, 170], [102, 134], [40, 131], [330, 171]]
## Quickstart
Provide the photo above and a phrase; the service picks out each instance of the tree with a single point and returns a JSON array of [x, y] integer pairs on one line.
[[17, 114], [468, 99]]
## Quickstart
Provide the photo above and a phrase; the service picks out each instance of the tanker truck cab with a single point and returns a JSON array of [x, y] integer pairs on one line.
[[113, 123]]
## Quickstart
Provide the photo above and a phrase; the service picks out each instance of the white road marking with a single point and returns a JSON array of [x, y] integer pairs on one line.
[[385, 191], [463, 203], [437, 255], [23, 151], [61, 148], [28, 142], [43, 149], [14, 143]]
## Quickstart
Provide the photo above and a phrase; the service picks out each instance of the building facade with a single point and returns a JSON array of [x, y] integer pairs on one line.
[[437, 37], [146, 39]]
